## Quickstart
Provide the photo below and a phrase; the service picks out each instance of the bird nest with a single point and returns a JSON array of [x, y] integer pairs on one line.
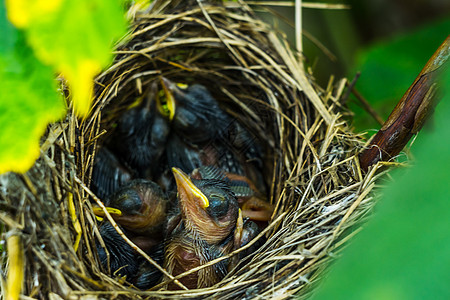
[[311, 158]]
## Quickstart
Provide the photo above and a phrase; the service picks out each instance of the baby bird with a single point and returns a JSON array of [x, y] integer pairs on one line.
[[140, 207], [140, 136], [204, 134], [211, 226]]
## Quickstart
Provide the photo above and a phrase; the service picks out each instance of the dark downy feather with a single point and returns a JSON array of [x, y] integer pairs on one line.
[[148, 276], [181, 155], [140, 136], [122, 258], [125, 261], [108, 174], [241, 189]]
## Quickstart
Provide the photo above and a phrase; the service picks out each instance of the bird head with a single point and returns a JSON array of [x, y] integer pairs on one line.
[[140, 134], [209, 208], [193, 111], [139, 206]]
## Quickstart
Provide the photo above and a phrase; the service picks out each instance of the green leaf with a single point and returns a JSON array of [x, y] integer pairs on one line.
[[28, 100], [404, 253], [58, 36], [389, 67], [73, 36]]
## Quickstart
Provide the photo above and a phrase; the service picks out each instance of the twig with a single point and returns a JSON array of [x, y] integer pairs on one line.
[[367, 107], [298, 31], [350, 87], [304, 4], [410, 114]]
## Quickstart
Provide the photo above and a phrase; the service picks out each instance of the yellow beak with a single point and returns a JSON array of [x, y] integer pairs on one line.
[[98, 211], [167, 107], [187, 190]]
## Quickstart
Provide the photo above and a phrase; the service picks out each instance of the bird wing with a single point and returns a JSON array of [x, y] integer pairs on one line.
[[108, 174]]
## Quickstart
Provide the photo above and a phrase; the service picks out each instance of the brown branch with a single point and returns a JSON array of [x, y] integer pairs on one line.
[[410, 114], [350, 86]]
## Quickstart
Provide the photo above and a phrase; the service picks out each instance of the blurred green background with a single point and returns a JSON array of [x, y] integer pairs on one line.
[[388, 41]]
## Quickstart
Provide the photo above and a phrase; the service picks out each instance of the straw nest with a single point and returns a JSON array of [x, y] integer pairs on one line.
[[311, 164]]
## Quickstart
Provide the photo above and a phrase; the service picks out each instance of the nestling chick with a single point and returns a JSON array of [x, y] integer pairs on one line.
[[204, 134], [140, 206], [140, 136], [211, 226]]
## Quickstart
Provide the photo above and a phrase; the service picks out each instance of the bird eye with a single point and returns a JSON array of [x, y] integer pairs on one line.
[[217, 197], [218, 205]]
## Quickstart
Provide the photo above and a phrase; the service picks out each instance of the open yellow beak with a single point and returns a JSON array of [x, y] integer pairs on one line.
[[166, 102], [187, 191]]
